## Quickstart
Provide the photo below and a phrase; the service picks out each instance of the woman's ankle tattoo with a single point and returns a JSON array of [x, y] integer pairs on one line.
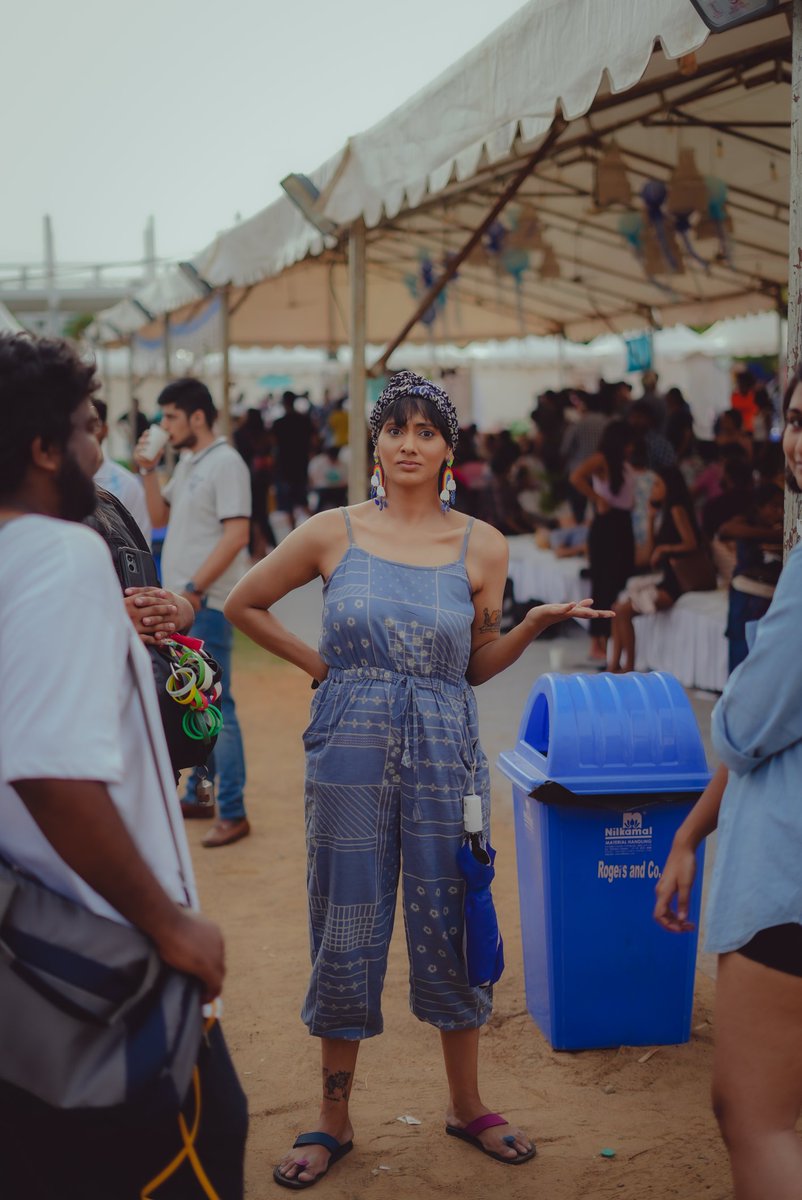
[[336, 1085]]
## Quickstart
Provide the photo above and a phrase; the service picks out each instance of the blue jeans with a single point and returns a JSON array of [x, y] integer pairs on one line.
[[742, 609], [227, 760]]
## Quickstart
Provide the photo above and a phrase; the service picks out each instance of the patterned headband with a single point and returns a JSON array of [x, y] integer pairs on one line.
[[407, 383]]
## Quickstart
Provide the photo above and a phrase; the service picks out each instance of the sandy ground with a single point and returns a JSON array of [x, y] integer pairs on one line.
[[654, 1114]]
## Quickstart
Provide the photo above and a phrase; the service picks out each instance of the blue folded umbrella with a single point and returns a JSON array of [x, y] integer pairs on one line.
[[484, 949]]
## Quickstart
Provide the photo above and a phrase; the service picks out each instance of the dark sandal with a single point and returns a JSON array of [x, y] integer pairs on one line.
[[470, 1134], [336, 1149]]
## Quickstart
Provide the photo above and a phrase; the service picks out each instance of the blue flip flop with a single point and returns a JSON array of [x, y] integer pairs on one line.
[[336, 1149]]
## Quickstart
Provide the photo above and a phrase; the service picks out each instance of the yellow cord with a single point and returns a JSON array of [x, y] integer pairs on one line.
[[188, 1151]]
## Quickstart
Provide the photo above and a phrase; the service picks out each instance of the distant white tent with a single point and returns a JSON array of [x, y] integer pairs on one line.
[[8, 322]]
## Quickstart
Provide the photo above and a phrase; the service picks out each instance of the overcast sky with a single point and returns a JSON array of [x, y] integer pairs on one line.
[[192, 110]]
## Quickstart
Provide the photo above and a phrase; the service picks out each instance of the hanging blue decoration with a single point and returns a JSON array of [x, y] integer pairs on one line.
[[682, 224], [515, 263], [494, 238], [630, 225], [639, 352], [653, 194], [718, 215], [418, 285]]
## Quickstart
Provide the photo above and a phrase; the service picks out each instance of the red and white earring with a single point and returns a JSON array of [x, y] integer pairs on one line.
[[448, 485], [378, 492]]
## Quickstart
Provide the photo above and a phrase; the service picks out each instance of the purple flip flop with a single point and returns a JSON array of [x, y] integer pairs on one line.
[[470, 1134]]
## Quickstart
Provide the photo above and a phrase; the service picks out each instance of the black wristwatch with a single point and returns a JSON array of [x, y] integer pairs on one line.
[[192, 589]]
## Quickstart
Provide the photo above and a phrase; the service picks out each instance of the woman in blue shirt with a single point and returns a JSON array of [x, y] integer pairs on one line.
[[754, 914]]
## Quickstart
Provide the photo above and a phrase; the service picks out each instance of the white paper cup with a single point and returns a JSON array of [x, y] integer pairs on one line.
[[154, 441]]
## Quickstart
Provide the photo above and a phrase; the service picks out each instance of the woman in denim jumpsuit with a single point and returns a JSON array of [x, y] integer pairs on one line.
[[412, 604]]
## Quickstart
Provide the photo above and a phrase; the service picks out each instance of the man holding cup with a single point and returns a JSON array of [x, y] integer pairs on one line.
[[206, 507]]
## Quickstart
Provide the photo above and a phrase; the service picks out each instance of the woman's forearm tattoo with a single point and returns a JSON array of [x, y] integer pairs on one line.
[[336, 1085], [491, 622]]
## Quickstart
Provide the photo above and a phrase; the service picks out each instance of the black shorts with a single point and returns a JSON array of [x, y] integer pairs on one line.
[[779, 947]]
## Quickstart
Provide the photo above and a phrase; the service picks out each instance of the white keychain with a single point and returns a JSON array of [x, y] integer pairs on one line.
[[472, 813]]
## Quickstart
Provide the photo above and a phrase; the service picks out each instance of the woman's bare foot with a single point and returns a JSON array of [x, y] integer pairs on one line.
[[306, 1163], [494, 1138]]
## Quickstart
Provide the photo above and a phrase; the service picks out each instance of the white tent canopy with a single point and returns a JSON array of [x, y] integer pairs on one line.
[[428, 175], [8, 322]]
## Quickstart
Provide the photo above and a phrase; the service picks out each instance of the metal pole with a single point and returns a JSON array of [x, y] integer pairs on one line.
[[149, 262], [132, 404], [357, 425], [167, 371], [225, 330], [793, 502], [53, 324]]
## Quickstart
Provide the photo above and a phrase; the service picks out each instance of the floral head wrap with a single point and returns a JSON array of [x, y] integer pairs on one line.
[[407, 383]]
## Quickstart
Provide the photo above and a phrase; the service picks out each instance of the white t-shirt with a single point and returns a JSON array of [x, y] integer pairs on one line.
[[325, 473], [69, 706], [128, 489], [206, 488]]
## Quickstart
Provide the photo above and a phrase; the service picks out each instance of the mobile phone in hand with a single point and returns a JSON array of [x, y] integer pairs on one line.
[[136, 568]]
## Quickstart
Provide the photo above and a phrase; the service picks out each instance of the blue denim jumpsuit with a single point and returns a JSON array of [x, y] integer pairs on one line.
[[391, 749]]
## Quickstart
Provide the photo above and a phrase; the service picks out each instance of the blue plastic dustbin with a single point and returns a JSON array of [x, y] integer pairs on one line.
[[605, 770]]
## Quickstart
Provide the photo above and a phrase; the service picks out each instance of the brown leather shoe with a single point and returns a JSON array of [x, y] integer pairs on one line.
[[193, 810], [224, 832]]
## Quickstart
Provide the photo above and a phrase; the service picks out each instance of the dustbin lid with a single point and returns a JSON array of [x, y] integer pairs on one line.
[[602, 734]]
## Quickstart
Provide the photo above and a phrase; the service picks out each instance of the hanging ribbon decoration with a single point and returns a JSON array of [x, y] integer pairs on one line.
[[653, 194], [516, 263], [718, 222], [630, 226], [418, 285], [682, 224]]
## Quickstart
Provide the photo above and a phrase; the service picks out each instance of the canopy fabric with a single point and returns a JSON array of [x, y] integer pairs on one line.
[[8, 322], [427, 175]]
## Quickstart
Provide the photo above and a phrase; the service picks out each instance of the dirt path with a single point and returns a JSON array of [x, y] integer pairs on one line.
[[655, 1115]]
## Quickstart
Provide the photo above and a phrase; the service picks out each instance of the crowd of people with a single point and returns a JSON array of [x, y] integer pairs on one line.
[[656, 510], [393, 757]]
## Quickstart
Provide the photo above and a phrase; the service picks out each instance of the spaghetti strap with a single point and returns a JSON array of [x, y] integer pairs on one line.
[[347, 520], [468, 529]]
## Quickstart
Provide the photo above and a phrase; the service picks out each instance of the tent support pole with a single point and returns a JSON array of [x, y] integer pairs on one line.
[[456, 260], [167, 372], [132, 401], [357, 468], [225, 337], [793, 502]]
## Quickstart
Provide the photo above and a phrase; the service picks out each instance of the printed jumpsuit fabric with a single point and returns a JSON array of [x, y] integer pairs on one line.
[[391, 749]]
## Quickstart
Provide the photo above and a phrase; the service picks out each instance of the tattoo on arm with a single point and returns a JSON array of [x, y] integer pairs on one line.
[[336, 1085], [491, 622]]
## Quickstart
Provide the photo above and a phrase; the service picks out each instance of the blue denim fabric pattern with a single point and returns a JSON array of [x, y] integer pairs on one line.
[[391, 750], [227, 760]]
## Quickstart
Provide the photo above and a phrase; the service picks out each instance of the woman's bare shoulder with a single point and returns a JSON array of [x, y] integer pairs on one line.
[[488, 543], [319, 532]]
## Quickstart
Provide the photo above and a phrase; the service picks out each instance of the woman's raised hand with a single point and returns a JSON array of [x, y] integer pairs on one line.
[[544, 615]]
